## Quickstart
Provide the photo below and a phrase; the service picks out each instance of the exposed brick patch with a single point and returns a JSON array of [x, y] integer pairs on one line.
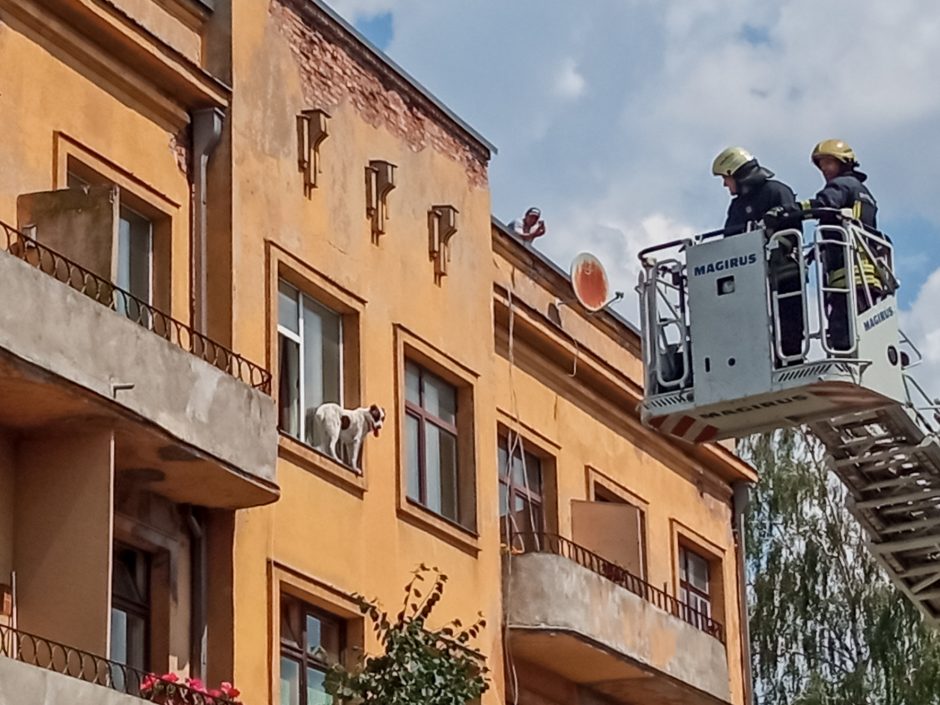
[[335, 67]]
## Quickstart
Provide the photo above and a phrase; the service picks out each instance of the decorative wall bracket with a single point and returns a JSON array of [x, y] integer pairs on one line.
[[380, 181], [442, 226], [311, 131]]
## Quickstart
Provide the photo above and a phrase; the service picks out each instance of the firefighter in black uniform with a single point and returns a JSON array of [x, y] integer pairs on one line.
[[755, 192], [753, 187], [845, 188]]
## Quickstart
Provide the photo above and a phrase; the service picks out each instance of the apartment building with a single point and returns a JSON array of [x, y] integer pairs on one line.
[[219, 216]]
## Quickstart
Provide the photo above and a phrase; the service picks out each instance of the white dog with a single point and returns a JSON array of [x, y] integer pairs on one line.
[[334, 425]]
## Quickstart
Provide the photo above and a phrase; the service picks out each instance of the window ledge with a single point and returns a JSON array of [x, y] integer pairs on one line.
[[343, 476], [465, 539]]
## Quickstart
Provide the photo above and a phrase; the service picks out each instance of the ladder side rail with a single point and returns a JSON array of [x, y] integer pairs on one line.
[[676, 317], [823, 243], [649, 326], [778, 238]]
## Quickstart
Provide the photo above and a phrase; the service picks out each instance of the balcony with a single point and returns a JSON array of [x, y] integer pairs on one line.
[[191, 417], [588, 620], [36, 671]]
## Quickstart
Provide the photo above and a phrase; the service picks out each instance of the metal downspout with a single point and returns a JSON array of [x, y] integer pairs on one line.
[[207, 131], [199, 594], [742, 497]]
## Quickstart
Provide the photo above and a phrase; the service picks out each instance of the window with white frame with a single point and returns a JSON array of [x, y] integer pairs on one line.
[[310, 356]]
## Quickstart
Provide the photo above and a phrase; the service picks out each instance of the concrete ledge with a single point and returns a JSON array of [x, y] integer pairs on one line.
[[22, 684], [62, 332], [553, 599]]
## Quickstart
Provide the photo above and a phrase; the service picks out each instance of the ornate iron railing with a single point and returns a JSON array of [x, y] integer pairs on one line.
[[123, 302], [560, 546], [52, 656]]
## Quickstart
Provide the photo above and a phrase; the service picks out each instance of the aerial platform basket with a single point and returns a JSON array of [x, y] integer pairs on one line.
[[741, 333]]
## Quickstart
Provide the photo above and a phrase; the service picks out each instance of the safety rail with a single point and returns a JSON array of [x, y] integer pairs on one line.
[[68, 661], [58, 266], [527, 542]]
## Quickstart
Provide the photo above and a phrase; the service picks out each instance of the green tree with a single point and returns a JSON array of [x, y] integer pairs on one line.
[[827, 626], [418, 665]]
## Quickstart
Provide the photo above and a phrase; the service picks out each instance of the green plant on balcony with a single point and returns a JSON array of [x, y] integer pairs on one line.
[[419, 665]]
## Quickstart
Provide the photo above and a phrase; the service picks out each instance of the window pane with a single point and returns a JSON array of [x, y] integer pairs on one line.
[[118, 636], [533, 468], [288, 397], [412, 457], [502, 458], [322, 358], [441, 459], [503, 499], [440, 398], [313, 633], [316, 693], [290, 634], [290, 682], [287, 312], [412, 383], [134, 255], [128, 638], [698, 572]]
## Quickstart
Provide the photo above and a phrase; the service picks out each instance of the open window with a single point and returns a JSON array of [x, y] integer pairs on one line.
[[310, 361]]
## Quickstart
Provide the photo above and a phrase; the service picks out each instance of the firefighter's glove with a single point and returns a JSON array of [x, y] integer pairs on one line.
[[780, 217]]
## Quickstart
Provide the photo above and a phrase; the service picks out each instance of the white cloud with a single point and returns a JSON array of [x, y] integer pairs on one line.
[[922, 323], [568, 82], [608, 114]]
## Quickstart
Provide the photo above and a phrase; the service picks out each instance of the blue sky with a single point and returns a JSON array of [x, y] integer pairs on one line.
[[607, 114]]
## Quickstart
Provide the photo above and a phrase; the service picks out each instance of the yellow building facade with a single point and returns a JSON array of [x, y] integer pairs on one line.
[[220, 216]]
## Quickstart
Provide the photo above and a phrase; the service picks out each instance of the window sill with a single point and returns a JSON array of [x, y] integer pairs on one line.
[[465, 539], [314, 461]]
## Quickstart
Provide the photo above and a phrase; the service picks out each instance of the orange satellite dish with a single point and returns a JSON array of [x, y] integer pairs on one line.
[[589, 281]]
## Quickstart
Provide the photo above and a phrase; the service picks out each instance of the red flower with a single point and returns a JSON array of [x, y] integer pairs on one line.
[[196, 684], [170, 677], [229, 690]]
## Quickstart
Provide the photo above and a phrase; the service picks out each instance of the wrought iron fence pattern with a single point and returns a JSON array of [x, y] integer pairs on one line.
[[68, 661], [560, 546], [123, 302]]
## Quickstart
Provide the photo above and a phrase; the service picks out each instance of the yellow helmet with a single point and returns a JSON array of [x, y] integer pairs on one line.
[[837, 149], [730, 160]]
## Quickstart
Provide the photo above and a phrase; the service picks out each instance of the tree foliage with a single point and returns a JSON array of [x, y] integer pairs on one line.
[[827, 626], [419, 665]]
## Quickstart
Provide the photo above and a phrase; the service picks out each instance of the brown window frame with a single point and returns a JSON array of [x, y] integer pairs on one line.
[[424, 417], [142, 610], [302, 655], [690, 589], [536, 500]]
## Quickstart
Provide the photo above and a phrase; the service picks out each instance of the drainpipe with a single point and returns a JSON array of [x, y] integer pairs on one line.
[[207, 131], [742, 497], [199, 594]]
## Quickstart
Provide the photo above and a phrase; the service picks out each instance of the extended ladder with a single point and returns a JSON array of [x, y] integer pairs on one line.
[[889, 459]]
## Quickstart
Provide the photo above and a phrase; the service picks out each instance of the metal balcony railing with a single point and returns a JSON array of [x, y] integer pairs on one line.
[[560, 546], [75, 663], [126, 304]]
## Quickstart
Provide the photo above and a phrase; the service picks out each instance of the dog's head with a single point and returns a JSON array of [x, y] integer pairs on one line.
[[377, 417]]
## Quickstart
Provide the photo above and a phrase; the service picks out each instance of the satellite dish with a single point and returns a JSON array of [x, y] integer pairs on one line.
[[589, 281]]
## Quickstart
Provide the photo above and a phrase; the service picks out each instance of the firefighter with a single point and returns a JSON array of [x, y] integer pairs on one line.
[[845, 189], [753, 188], [755, 193]]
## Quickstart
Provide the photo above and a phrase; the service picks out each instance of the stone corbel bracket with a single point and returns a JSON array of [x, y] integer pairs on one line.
[[380, 182], [442, 226], [312, 129]]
